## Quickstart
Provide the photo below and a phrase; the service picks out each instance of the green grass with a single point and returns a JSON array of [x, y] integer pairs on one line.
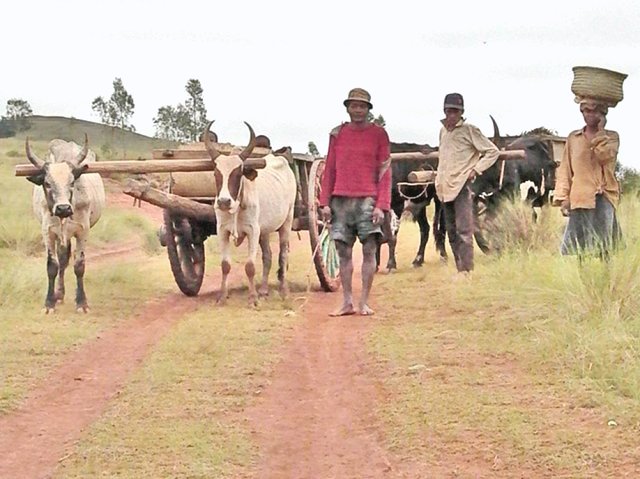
[[107, 142]]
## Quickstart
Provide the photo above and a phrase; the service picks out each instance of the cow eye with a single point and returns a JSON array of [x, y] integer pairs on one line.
[[47, 184]]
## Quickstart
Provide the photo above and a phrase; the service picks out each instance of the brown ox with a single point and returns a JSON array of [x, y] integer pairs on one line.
[[252, 205]]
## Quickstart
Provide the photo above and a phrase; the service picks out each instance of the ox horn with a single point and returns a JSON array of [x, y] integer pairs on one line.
[[496, 132], [35, 161], [211, 149], [252, 143], [85, 151]]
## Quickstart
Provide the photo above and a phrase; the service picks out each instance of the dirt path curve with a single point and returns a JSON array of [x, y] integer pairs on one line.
[[43, 430], [317, 418]]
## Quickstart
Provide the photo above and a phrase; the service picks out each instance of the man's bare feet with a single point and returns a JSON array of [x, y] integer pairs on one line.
[[345, 310], [365, 310]]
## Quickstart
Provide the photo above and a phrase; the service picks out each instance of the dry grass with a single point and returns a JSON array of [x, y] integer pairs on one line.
[[519, 369]]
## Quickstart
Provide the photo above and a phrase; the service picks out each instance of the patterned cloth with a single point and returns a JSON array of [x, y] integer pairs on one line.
[[351, 218], [590, 229]]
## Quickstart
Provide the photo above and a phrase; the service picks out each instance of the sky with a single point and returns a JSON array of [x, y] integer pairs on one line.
[[286, 67]]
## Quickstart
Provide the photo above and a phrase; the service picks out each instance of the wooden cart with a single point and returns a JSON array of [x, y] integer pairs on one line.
[[189, 217]]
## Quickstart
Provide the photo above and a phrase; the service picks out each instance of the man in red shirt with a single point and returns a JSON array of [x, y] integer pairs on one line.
[[356, 192]]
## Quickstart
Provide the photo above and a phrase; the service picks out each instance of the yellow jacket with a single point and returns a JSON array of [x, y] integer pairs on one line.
[[587, 169]]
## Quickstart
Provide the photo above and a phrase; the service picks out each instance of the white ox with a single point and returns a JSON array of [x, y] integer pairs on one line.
[[252, 205], [67, 204]]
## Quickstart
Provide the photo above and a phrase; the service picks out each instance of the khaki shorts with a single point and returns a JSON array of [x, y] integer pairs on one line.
[[351, 218]]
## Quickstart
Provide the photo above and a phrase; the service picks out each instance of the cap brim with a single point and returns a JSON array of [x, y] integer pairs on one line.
[[346, 102], [456, 107]]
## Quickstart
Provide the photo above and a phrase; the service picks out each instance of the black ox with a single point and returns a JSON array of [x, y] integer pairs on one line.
[[415, 199], [503, 180]]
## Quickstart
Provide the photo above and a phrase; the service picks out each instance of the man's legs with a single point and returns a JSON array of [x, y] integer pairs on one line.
[[368, 271], [449, 211], [463, 206], [345, 253]]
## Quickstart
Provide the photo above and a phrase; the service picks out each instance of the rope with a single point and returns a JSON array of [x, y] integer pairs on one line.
[[407, 197]]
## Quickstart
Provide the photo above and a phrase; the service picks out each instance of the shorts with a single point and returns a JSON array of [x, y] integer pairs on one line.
[[351, 217]]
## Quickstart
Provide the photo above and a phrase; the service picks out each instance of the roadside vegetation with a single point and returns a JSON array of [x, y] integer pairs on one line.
[[533, 364]]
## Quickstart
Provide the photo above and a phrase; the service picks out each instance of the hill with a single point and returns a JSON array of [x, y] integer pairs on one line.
[[108, 142]]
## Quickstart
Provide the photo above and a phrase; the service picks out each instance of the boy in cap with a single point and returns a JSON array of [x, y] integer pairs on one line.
[[586, 187], [356, 191], [464, 153]]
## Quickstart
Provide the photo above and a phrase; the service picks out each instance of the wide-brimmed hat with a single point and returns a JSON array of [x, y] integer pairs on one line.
[[454, 100], [359, 94]]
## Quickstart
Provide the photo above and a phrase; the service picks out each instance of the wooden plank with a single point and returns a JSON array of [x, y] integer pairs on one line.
[[202, 164]]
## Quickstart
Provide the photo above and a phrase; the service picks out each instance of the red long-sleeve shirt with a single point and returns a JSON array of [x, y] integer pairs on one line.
[[354, 164]]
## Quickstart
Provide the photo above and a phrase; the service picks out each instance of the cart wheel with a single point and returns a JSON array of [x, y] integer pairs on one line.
[[323, 248], [185, 257]]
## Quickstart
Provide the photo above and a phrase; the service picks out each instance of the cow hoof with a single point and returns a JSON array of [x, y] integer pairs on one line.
[[222, 300], [444, 259], [263, 292], [417, 264], [49, 310], [82, 308]]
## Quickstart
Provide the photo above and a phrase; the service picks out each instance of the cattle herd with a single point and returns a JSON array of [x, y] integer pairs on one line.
[[256, 197]]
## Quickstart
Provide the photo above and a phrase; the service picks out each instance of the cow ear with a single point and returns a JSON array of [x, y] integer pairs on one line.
[[78, 171], [37, 179], [250, 173]]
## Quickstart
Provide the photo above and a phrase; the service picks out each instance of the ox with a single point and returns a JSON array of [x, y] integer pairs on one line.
[[532, 179], [67, 204], [252, 205], [415, 199]]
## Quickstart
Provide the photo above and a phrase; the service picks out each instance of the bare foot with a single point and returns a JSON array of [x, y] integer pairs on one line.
[[366, 311], [346, 310]]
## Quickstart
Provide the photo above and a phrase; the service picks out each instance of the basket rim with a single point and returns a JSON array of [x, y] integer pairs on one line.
[[599, 69]]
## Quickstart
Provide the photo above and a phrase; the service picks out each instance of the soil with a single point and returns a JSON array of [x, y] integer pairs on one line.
[[317, 419]]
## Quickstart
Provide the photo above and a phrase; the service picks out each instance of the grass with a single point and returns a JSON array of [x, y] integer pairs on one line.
[[182, 414], [499, 366]]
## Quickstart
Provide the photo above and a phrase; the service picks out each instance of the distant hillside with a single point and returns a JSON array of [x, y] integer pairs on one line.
[[108, 142]]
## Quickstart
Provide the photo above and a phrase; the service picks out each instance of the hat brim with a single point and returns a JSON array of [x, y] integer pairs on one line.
[[346, 102], [455, 107]]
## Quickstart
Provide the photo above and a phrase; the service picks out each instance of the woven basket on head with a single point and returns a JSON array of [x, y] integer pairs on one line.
[[598, 83]]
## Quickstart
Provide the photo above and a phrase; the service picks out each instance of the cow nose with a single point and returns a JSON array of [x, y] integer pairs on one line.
[[63, 211], [224, 203]]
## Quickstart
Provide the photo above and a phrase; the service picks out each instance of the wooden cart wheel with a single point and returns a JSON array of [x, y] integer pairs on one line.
[[325, 256], [186, 257]]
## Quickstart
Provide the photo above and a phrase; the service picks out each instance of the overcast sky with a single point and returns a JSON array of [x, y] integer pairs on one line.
[[285, 67]]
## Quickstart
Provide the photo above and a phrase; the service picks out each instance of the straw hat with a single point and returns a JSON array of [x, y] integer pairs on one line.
[[359, 94]]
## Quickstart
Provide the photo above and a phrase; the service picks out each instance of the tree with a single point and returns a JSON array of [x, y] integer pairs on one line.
[[172, 123], [313, 149], [18, 113], [379, 120], [185, 121], [196, 108], [118, 110]]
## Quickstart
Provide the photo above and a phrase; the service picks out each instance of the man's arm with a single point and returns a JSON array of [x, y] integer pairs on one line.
[[383, 199], [605, 147], [563, 177], [488, 151]]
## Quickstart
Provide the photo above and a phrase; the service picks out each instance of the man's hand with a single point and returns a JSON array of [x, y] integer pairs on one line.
[[377, 216], [325, 214], [472, 176], [565, 207]]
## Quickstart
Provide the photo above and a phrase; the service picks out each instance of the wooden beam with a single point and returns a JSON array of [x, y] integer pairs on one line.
[[174, 203]]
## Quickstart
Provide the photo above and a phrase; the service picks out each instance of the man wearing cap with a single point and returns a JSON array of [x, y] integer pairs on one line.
[[356, 191], [586, 187], [464, 153]]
